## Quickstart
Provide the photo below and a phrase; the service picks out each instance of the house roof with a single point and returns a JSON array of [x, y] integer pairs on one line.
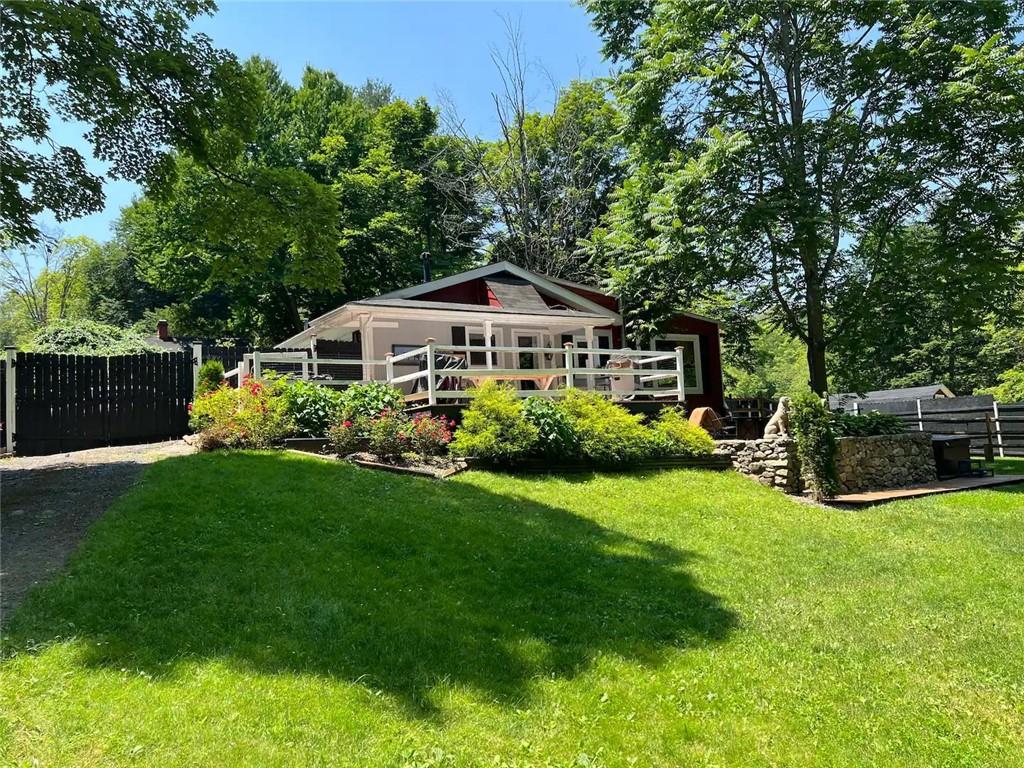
[[545, 310], [905, 393], [515, 295], [539, 282]]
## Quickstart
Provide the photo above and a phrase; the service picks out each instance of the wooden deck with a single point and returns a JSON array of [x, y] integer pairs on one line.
[[927, 489]]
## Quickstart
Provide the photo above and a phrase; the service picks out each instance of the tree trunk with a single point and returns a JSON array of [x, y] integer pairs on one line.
[[815, 334]]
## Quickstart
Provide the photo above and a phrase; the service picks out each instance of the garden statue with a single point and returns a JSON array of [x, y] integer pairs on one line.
[[778, 424]]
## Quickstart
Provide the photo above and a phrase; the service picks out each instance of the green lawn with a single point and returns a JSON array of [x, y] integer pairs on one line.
[[1010, 466], [273, 609]]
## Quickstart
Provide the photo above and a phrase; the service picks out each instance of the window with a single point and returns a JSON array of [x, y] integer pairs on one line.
[[693, 380], [399, 349], [475, 338]]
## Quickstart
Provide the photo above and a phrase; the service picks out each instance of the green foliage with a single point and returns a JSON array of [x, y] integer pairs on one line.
[[770, 149], [311, 406], [369, 400], [253, 416], [551, 176], [1010, 388], [680, 437], [134, 72], [335, 199], [866, 424], [429, 435], [347, 436], [88, 337], [557, 439], [772, 364], [608, 434], [494, 426], [928, 306], [210, 378], [812, 425], [387, 434]]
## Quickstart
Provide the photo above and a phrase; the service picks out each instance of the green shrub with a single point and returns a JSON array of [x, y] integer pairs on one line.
[[89, 337], [812, 425], [252, 416], [211, 377], [608, 434], [866, 424], [679, 436], [494, 426], [312, 407], [387, 434], [369, 399], [557, 439]]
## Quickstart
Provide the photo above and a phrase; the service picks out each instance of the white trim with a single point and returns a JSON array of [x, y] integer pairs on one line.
[[537, 334], [698, 372], [499, 341]]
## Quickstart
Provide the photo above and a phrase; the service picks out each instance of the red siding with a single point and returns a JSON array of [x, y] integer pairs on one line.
[[470, 292], [710, 360], [602, 299]]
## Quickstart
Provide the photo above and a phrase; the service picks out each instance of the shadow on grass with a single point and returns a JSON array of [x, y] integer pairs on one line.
[[284, 564]]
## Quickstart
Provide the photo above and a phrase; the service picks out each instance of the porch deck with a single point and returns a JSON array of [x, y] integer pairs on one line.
[[925, 489], [447, 374]]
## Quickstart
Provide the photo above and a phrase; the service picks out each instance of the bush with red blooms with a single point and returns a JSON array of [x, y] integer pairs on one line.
[[429, 436], [348, 436], [253, 416], [387, 434]]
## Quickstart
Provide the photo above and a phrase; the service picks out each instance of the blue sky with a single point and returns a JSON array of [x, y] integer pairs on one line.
[[420, 48]]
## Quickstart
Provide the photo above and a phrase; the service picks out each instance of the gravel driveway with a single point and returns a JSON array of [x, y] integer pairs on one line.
[[47, 504]]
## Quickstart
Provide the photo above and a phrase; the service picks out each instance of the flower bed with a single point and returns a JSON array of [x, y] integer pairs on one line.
[[583, 431]]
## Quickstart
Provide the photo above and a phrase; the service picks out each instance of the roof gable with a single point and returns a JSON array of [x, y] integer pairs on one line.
[[499, 272]]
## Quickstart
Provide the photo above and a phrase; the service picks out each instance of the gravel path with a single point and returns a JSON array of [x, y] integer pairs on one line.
[[47, 504]]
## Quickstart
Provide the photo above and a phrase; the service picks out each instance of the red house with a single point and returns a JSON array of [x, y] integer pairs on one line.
[[518, 311]]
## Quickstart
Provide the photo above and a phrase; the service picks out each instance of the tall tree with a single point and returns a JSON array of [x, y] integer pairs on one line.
[[42, 278], [547, 180], [770, 139], [129, 69], [335, 198]]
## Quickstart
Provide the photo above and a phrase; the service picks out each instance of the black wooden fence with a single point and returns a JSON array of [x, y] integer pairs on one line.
[[998, 427], [71, 402]]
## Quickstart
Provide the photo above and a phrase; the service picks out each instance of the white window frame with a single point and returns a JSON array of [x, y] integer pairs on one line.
[[692, 337], [499, 336], [591, 382], [538, 336]]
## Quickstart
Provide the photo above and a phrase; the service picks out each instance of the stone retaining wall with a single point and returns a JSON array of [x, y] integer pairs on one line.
[[884, 461], [772, 461]]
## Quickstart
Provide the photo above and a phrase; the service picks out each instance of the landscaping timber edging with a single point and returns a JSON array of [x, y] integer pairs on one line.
[[434, 474]]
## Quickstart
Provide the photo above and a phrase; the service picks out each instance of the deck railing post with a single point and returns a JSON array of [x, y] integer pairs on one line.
[[197, 363], [999, 428], [312, 353], [389, 367], [10, 356], [569, 365], [257, 369], [680, 374], [920, 419], [431, 380]]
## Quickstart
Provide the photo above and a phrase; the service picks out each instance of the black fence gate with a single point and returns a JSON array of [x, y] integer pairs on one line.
[[72, 402]]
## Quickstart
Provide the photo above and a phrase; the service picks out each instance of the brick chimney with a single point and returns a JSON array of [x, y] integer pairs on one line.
[[162, 330]]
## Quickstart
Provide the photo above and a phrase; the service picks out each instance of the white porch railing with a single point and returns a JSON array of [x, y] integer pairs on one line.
[[577, 368]]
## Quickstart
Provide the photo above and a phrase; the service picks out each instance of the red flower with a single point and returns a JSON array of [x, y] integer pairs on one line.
[[190, 407], [346, 424]]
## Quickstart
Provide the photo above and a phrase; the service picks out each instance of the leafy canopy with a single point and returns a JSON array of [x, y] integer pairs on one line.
[[771, 142]]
